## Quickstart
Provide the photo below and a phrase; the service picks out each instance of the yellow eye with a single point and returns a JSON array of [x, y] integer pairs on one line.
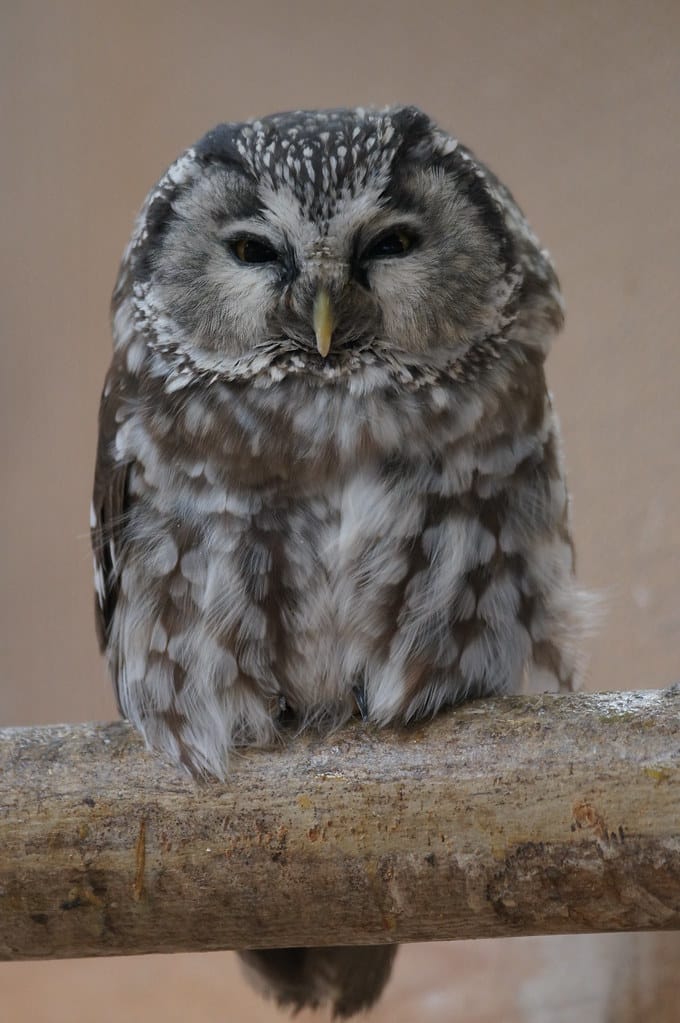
[[392, 243], [252, 250]]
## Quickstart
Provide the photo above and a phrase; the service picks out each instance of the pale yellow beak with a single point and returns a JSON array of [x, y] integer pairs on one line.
[[324, 323]]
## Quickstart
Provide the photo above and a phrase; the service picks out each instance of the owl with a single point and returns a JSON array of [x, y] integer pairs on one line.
[[329, 479]]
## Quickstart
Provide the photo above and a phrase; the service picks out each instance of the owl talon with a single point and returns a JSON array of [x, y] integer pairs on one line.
[[359, 693], [286, 715]]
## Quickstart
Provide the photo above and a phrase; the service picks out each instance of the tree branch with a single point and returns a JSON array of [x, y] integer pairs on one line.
[[522, 815]]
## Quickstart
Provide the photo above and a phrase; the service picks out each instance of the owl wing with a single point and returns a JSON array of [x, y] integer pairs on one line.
[[110, 501]]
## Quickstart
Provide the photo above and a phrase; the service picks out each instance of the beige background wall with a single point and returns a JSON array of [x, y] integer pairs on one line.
[[575, 105]]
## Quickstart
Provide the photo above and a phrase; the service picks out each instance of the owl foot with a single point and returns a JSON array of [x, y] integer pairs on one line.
[[359, 693]]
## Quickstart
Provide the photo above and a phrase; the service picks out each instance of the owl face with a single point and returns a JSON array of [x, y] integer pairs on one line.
[[324, 234]]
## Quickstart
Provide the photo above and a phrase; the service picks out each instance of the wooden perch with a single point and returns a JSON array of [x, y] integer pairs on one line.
[[523, 815]]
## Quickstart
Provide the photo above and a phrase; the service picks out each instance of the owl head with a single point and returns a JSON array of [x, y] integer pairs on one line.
[[322, 235]]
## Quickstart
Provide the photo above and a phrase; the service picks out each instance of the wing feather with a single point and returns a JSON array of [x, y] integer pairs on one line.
[[110, 501]]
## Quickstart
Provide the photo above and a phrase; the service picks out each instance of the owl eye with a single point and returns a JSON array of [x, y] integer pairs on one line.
[[252, 250], [392, 243]]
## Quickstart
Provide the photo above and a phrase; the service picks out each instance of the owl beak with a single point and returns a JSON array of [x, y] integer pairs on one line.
[[324, 322]]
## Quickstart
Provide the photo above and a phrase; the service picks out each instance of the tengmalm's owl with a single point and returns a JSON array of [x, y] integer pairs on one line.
[[329, 477]]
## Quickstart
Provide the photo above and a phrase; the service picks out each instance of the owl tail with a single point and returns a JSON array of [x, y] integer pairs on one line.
[[349, 979]]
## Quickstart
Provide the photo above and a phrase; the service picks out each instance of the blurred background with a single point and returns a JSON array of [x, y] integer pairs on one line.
[[575, 106]]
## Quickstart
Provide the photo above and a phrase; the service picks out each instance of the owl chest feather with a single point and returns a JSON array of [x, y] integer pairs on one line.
[[302, 543]]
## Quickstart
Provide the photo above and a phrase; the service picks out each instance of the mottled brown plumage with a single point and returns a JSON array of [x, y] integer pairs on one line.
[[329, 475]]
